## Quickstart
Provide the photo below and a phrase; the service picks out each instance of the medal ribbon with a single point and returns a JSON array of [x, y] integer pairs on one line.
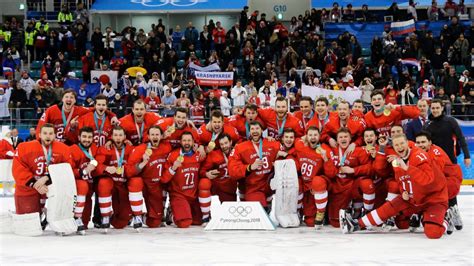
[[63, 115], [86, 152], [120, 158], [96, 122], [282, 127]]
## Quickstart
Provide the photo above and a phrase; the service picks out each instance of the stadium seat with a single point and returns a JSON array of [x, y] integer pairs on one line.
[[203, 62], [78, 64], [366, 52], [199, 54], [78, 74], [35, 74], [36, 65], [238, 62], [367, 61], [460, 69], [180, 64]]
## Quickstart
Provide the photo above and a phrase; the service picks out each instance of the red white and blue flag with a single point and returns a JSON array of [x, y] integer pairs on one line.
[[402, 27], [411, 62]]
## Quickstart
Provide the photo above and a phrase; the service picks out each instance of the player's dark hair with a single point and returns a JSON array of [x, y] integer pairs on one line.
[[371, 129], [255, 123], [252, 107], [323, 99], [343, 130], [377, 92], [100, 97], [155, 127], [424, 133], [118, 128], [399, 127], [217, 114], [186, 133], [72, 91], [313, 128], [47, 125], [289, 130], [345, 102], [181, 110], [223, 136], [358, 101], [307, 98], [86, 129], [281, 99]]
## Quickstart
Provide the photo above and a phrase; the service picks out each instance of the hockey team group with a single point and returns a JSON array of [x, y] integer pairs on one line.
[[356, 171]]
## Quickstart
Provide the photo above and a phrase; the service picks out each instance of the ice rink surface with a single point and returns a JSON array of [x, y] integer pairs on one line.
[[298, 246]]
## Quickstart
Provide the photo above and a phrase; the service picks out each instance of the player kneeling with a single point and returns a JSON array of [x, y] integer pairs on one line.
[[182, 172], [215, 179], [422, 190], [118, 195]]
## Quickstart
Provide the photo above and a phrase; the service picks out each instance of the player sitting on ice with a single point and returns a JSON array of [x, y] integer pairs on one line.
[[422, 190]]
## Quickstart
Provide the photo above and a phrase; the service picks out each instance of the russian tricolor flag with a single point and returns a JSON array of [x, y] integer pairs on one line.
[[411, 62], [403, 27]]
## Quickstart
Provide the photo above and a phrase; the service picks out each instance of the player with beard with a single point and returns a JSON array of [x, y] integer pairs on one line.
[[118, 194], [287, 146], [422, 190], [312, 160], [182, 174], [306, 112], [173, 127], [322, 110], [147, 162], [279, 118], [30, 169], [64, 117], [252, 161], [241, 121], [215, 179], [358, 107], [83, 166], [137, 123], [452, 172], [353, 178], [98, 121], [208, 134], [344, 119], [383, 116]]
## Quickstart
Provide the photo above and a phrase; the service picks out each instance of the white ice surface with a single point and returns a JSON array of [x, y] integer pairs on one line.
[[298, 246]]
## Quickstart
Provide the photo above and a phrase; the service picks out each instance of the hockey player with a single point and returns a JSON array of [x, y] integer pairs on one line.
[[279, 118], [208, 134], [215, 179], [118, 195], [452, 172], [173, 127], [182, 174], [354, 172], [83, 165], [312, 161], [322, 110], [384, 116], [30, 169], [147, 161], [252, 160], [422, 190], [64, 117], [306, 112], [98, 121], [344, 119], [137, 123], [241, 121]]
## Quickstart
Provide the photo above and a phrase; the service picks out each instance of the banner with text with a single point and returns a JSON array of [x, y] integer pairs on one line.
[[214, 78], [334, 97]]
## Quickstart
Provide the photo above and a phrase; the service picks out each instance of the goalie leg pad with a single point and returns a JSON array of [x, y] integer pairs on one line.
[[27, 224], [285, 182]]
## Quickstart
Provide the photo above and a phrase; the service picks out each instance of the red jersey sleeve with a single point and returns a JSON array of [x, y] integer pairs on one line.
[[329, 168], [365, 164], [136, 157], [237, 169], [21, 162]]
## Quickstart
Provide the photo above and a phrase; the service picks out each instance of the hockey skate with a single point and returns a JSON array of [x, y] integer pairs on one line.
[[449, 220], [105, 224], [347, 223], [319, 220], [389, 224], [137, 223], [81, 229], [415, 222], [457, 220]]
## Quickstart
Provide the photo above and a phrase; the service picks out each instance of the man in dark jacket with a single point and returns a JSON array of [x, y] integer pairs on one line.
[[446, 133]]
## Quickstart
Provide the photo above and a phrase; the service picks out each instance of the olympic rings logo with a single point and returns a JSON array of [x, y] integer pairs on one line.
[[240, 211], [158, 3]]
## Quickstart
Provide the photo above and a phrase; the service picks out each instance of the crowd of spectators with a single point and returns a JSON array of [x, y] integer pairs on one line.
[[268, 59]]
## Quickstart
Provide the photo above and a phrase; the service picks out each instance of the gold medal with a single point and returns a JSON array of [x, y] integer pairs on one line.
[[180, 158], [387, 112], [319, 150], [94, 163], [171, 129], [369, 147], [148, 152], [395, 163], [119, 170], [405, 195], [211, 145]]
